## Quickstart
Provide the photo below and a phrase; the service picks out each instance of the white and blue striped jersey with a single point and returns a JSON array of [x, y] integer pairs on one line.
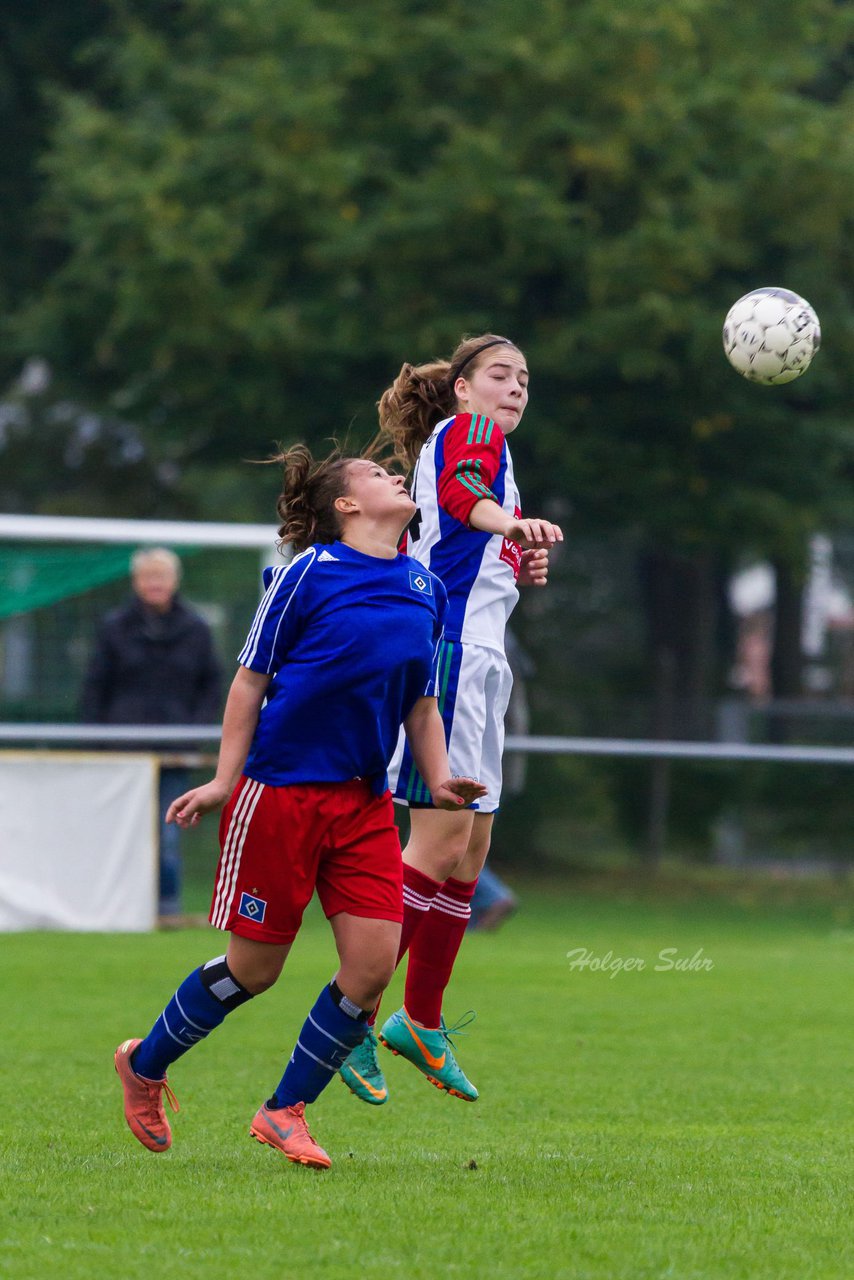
[[351, 642], [466, 458]]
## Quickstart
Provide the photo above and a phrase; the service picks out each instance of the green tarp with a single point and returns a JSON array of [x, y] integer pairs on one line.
[[33, 575]]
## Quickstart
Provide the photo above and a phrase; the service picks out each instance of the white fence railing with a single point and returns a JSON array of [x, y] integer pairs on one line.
[[205, 735]]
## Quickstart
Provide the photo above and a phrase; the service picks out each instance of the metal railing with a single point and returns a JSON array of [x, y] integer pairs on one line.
[[162, 736]]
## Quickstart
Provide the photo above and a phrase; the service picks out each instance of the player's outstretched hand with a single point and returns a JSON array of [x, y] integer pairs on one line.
[[534, 569], [456, 793], [535, 533], [189, 807]]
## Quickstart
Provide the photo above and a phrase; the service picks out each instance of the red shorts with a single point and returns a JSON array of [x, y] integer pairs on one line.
[[279, 844]]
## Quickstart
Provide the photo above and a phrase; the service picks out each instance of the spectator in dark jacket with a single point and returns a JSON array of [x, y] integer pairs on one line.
[[154, 662]]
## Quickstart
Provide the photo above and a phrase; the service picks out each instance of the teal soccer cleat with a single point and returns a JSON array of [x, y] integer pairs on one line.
[[362, 1073], [430, 1050]]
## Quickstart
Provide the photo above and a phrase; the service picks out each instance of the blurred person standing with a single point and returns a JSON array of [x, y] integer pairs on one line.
[[154, 662], [492, 903]]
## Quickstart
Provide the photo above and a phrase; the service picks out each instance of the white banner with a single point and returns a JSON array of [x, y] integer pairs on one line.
[[78, 841]]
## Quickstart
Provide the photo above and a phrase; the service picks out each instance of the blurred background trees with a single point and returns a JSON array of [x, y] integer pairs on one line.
[[228, 225]]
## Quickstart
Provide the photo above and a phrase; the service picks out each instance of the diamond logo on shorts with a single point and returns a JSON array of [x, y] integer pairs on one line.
[[252, 908], [420, 582]]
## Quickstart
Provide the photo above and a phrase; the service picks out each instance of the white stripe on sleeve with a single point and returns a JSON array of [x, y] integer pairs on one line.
[[250, 649]]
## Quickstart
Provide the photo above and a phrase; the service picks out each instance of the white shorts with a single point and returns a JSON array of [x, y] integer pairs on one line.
[[474, 690]]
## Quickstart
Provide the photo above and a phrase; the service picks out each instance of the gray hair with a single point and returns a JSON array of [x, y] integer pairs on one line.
[[155, 555]]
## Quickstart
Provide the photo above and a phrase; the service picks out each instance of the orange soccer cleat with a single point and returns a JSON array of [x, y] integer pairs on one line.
[[144, 1101], [286, 1130]]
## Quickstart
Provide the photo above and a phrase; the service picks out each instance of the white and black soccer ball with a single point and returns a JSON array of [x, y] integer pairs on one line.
[[771, 335]]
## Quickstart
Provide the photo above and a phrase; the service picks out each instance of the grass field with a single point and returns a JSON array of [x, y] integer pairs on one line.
[[684, 1123]]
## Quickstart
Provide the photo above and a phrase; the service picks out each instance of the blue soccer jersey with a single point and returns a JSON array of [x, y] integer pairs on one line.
[[351, 642]]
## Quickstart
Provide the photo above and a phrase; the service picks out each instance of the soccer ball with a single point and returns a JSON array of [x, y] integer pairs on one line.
[[771, 335]]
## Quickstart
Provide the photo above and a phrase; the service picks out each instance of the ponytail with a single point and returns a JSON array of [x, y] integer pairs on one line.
[[306, 505], [422, 395], [419, 397]]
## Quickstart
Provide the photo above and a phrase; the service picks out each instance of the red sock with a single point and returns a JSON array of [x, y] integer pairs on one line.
[[418, 893], [434, 950]]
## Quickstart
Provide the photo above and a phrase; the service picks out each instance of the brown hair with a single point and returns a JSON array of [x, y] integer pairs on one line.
[[306, 505], [422, 395]]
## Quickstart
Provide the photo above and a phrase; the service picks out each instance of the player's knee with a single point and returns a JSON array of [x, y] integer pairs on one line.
[[260, 975], [262, 982], [470, 867], [376, 983], [449, 858], [384, 974], [256, 965], [369, 996], [366, 984]]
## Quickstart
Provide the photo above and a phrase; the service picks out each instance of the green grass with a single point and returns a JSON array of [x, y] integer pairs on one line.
[[650, 1124]]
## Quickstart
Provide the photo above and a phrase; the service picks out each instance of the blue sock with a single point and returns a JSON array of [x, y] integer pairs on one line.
[[199, 1005], [334, 1027]]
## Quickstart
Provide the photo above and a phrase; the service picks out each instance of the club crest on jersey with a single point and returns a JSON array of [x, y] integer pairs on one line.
[[420, 582], [252, 908]]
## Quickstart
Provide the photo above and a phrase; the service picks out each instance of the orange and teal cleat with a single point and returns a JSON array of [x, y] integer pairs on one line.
[[144, 1101], [430, 1050], [363, 1075], [286, 1130]]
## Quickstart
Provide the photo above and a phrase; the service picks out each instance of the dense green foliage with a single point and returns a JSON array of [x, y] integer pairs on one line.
[[259, 210], [232, 223]]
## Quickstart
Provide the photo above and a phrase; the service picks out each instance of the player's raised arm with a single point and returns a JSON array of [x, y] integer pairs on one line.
[[487, 516]]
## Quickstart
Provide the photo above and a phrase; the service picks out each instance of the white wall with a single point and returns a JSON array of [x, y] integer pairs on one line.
[[78, 841]]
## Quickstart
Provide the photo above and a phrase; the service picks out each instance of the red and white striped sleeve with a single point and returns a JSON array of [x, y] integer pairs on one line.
[[473, 448]]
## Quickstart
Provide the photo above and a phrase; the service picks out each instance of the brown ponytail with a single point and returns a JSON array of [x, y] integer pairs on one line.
[[306, 505], [422, 395]]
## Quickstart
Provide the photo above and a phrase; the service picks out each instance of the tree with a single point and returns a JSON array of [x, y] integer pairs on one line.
[[260, 209], [37, 46], [59, 457], [256, 187]]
